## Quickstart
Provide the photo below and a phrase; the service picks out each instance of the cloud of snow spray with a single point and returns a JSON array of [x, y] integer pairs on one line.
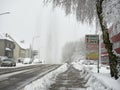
[[52, 45], [55, 30], [48, 30]]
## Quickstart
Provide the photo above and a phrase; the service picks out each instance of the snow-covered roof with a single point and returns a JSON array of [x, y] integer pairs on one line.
[[23, 45], [5, 36], [8, 37]]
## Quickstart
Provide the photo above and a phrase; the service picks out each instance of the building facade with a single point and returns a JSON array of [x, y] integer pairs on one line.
[[6, 46], [16, 51], [20, 51], [114, 35], [12, 48]]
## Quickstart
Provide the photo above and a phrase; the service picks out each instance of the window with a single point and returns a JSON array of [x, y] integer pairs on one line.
[[7, 45]]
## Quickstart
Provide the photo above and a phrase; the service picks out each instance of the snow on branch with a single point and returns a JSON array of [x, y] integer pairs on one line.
[[111, 11]]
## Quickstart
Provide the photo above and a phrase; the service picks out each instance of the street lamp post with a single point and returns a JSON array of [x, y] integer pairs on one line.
[[98, 54], [32, 45]]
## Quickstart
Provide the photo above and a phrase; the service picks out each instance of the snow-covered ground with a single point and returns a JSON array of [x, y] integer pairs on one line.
[[21, 65], [44, 82], [103, 77], [96, 81], [18, 65]]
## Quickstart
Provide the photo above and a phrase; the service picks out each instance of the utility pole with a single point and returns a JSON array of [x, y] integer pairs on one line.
[[98, 53], [33, 45]]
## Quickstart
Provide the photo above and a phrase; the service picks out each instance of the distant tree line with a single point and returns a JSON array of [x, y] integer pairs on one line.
[[73, 51]]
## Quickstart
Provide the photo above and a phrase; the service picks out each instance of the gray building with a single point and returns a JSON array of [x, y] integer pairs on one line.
[[21, 49], [6, 46]]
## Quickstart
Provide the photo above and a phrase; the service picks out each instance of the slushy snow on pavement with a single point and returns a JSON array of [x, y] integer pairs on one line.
[[96, 81]]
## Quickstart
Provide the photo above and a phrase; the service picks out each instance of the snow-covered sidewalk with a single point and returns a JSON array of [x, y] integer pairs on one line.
[[104, 77], [95, 81]]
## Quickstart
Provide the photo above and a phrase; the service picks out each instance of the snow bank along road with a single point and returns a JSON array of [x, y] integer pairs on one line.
[[77, 77], [16, 78]]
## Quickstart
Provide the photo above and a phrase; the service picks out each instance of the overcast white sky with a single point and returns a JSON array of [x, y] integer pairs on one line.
[[29, 18]]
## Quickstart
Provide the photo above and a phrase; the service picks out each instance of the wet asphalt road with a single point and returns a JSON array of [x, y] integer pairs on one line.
[[16, 80]]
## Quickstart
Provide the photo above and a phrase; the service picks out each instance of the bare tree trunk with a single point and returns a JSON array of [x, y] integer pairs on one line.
[[106, 40]]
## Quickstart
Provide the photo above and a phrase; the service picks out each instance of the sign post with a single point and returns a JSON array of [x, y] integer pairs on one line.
[[98, 53]]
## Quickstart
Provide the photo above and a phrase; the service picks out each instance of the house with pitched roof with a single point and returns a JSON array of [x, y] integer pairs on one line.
[[7, 46], [12, 48], [21, 49]]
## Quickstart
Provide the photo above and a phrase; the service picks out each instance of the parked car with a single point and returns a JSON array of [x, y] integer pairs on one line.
[[36, 61], [26, 60], [7, 62]]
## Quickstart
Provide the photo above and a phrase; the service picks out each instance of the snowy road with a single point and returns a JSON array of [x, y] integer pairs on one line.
[[5, 70], [17, 80], [67, 77]]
